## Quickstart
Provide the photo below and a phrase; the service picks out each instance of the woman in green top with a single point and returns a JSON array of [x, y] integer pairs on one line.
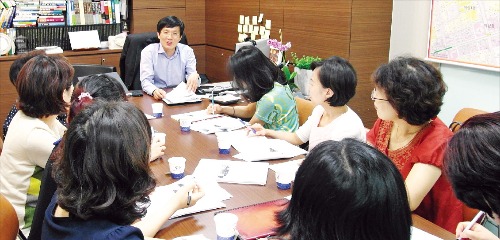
[[264, 85]]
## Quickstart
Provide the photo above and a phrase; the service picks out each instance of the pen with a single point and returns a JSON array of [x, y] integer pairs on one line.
[[213, 107], [248, 127], [474, 220]]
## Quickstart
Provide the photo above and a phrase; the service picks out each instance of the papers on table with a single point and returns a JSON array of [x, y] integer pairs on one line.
[[417, 234], [218, 124], [214, 195], [289, 166], [180, 94], [232, 171], [195, 116], [259, 148]]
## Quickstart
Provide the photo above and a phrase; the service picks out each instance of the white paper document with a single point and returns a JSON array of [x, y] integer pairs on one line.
[[417, 234], [218, 124], [232, 171], [259, 148], [84, 40], [195, 116], [214, 195], [180, 94]]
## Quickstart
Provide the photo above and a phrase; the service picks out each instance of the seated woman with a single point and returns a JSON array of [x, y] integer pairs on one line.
[[44, 85], [104, 179], [271, 101], [346, 190], [106, 88], [13, 72], [472, 163], [408, 96], [333, 84]]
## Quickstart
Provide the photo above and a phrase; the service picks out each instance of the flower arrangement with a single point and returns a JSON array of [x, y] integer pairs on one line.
[[273, 43], [305, 61]]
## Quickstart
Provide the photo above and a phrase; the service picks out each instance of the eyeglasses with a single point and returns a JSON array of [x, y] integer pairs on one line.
[[374, 98]]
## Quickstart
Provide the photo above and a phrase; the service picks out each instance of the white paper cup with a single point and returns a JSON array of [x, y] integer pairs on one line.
[[157, 110], [177, 166], [224, 145], [284, 179], [225, 226], [185, 124], [160, 136]]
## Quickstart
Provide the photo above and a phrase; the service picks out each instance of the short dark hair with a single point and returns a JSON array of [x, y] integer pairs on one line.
[[339, 75], [19, 63], [347, 190], [41, 83], [104, 171], [99, 86], [472, 162], [170, 22], [253, 72], [413, 87]]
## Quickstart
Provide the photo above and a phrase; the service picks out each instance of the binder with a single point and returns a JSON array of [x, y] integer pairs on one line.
[[257, 220]]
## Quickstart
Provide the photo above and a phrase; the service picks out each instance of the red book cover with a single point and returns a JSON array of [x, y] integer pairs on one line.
[[258, 220]]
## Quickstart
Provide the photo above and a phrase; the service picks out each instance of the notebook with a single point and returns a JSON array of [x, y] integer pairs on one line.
[[180, 95], [257, 220]]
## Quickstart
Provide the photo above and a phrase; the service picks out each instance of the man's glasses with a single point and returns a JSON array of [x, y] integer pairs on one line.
[[374, 98]]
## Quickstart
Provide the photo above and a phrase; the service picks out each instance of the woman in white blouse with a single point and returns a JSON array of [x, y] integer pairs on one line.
[[332, 85]]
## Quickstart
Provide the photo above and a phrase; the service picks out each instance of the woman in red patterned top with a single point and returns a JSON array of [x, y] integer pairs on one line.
[[408, 96]]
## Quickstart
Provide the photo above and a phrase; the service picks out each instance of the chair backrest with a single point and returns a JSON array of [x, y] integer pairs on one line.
[[8, 218], [304, 108], [82, 70], [458, 120], [47, 190], [130, 58], [462, 116]]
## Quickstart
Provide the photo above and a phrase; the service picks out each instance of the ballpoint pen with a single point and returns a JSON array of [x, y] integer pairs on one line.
[[248, 127], [474, 220]]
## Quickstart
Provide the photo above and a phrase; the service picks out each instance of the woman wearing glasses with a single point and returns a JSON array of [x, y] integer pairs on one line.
[[408, 96]]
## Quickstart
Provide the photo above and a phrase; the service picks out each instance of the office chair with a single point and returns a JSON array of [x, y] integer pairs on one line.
[[458, 120], [130, 59], [8, 218], [304, 109], [88, 69]]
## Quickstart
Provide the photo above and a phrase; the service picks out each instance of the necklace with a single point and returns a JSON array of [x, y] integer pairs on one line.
[[398, 142]]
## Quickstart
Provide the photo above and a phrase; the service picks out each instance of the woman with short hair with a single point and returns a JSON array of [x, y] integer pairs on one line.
[[408, 95]]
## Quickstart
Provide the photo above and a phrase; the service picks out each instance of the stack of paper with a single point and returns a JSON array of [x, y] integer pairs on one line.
[[232, 171], [180, 94], [291, 166], [218, 124], [259, 148], [214, 195], [195, 116]]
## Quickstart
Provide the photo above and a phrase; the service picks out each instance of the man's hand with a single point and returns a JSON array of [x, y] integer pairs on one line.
[[159, 94], [192, 82]]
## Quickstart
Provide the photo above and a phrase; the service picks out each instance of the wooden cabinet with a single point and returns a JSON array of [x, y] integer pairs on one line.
[[8, 93]]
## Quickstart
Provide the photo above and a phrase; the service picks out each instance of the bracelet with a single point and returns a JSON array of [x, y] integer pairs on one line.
[[234, 111], [189, 199]]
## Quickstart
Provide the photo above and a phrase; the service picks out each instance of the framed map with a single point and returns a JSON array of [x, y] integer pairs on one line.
[[465, 33]]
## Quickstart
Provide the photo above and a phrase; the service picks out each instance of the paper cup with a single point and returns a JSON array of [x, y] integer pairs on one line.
[[157, 110], [224, 145], [177, 166], [160, 136], [185, 124], [225, 226], [284, 179]]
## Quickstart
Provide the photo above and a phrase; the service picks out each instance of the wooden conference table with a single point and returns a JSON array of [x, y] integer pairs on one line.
[[194, 146]]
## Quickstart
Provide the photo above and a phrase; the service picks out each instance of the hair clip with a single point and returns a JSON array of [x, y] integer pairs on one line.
[[83, 95]]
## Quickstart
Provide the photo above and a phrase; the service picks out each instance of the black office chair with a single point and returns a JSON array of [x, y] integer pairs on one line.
[[130, 59], [88, 69]]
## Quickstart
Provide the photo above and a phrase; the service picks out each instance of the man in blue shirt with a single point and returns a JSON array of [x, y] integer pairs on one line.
[[168, 63]]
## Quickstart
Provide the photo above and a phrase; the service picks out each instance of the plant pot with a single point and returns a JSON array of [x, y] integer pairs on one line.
[[302, 80]]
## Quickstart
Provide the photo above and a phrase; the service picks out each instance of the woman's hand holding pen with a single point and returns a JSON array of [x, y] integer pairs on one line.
[[214, 108], [476, 232], [188, 194]]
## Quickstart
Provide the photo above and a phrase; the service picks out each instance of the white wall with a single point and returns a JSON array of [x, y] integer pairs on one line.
[[467, 87]]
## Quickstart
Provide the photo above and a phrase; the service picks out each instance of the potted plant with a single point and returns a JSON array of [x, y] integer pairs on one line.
[[303, 70]]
